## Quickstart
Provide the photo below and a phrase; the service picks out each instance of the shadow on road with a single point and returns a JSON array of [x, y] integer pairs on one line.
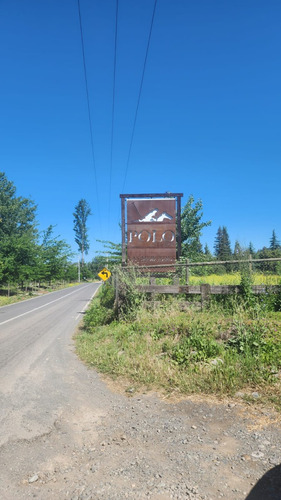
[[268, 487]]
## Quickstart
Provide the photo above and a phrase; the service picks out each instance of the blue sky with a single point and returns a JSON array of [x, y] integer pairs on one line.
[[208, 123]]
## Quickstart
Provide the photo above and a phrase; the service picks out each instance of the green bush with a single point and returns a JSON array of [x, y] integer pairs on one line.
[[107, 296]]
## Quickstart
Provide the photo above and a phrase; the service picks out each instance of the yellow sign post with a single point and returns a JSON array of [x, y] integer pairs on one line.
[[104, 274]]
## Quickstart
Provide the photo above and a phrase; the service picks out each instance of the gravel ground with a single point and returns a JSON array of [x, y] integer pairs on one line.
[[143, 447]]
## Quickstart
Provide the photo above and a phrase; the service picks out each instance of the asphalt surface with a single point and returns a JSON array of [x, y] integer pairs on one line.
[[34, 339]]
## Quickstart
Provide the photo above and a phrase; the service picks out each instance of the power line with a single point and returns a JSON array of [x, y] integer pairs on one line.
[[139, 96], [89, 111], [113, 109]]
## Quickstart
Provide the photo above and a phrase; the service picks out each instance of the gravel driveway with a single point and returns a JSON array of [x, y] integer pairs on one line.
[[105, 445]]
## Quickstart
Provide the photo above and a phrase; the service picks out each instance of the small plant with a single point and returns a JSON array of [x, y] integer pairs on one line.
[[246, 284], [248, 341], [195, 348]]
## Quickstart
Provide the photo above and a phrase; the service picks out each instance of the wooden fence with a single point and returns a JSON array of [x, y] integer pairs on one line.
[[205, 290]]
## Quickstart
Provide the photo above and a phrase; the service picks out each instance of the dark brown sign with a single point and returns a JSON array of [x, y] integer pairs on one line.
[[151, 231]]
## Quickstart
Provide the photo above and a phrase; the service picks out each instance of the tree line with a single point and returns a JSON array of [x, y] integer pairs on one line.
[[28, 255], [192, 226]]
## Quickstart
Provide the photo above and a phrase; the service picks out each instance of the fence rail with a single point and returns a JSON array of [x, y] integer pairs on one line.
[[197, 289], [186, 263], [205, 290]]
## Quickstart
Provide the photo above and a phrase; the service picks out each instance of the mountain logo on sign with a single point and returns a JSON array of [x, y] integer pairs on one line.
[[151, 217]]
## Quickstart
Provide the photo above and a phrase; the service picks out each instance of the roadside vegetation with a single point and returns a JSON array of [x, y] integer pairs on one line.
[[232, 348], [14, 293]]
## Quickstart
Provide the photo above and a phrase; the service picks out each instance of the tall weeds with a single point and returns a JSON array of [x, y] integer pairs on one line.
[[234, 345]]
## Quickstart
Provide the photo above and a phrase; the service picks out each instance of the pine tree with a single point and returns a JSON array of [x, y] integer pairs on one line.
[[251, 249], [237, 249], [222, 244], [274, 243], [218, 242], [207, 251], [226, 248]]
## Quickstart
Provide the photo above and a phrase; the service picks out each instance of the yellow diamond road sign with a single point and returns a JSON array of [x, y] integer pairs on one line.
[[104, 274]]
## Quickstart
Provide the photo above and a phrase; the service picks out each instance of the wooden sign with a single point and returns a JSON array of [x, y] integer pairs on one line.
[[152, 235]]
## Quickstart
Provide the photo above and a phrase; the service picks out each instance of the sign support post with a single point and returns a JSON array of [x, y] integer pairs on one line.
[[123, 230]]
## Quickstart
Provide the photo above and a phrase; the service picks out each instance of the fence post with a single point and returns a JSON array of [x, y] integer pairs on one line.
[[152, 282], [187, 271], [205, 290], [250, 263], [116, 285]]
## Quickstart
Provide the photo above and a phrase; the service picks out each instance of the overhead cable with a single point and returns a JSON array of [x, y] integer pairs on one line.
[[139, 95], [89, 112], [113, 109]]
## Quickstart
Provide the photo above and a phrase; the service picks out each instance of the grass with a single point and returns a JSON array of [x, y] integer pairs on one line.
[[5, 301], [235, 279], [180, 349]]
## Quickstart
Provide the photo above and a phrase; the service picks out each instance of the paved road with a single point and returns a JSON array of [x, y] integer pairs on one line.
[[34, 335]]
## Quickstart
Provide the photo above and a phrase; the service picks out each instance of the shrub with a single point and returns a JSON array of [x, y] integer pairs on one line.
[[107, 297], [102, 310], [194, 348], [246, 283], [129, 300]]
